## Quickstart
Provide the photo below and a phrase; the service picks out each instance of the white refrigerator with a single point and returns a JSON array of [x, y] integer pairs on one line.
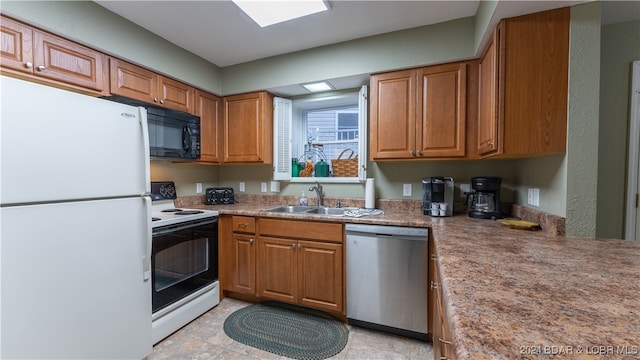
[[75, 226]]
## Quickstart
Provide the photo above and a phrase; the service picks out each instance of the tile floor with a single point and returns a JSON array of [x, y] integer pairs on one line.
[[204, 338]]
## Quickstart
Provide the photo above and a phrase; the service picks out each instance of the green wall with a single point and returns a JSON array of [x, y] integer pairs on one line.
[[620, 46], [438, 43], [579, 184]]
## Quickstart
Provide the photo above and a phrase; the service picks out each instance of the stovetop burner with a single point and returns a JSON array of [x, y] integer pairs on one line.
[[188, 212], [164, 211]]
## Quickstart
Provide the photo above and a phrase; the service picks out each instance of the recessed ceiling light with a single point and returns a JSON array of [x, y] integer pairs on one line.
[[318, 86], [269, 12]]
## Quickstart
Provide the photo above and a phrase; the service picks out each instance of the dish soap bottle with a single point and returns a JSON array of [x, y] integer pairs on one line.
[[303, 200]]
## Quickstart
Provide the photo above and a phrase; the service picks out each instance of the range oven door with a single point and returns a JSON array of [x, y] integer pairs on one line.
[[184, 259]]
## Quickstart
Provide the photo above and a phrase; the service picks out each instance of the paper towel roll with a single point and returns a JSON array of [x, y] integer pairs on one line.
[[370, 194]]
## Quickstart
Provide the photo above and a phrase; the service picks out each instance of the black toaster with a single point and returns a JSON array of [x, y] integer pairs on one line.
[[219, 195]]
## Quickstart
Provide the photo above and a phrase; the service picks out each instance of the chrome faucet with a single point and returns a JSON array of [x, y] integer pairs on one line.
[[318, 189]]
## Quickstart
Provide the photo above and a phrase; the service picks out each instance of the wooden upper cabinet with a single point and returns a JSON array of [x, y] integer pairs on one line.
[[209, 108], [523, 86], [141, 84], [16, 46], [392, 115], [441, 115], [38, 54], [487, 141], [419, 113], [248, 128]]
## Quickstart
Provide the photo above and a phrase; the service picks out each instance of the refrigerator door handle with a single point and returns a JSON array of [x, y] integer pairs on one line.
[[146, 150], [146, 259]]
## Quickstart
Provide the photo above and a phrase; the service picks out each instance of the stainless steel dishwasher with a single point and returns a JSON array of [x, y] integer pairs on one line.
[[387, 278]]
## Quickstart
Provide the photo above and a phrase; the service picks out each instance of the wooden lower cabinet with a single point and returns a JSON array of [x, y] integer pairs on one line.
[[439, 324], [237, 263], [296, 266], [298, 262]]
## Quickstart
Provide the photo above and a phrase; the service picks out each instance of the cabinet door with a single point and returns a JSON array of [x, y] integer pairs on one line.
[[175, 95], [277, 265], [208, 108], [321, 275], [133, 81], [59, 59], [244, 274], [16, 46], [488, 122], [248, 124], [392, 115], [441, 116]]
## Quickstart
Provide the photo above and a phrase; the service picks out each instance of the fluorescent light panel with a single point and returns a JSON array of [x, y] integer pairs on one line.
[[269, 12], [319, 86]]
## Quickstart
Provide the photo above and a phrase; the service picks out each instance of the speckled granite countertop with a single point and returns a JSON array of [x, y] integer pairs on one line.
[[516, 294]]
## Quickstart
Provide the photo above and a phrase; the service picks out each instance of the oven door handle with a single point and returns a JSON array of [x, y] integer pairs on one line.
[[146, 259]]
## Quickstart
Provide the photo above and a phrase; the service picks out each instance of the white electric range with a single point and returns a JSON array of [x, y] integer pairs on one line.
[[184, 262]]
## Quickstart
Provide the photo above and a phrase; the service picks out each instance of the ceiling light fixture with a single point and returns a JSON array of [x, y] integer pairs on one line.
[[318, 86], [269, 12]]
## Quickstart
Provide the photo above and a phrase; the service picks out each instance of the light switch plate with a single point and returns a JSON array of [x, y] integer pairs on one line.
[[275, 186], [263, 187], [241, 187], [533, 196], [406, 190], [198, 188]]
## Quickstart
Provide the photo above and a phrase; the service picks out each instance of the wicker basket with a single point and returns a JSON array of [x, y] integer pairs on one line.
[[347, 167]]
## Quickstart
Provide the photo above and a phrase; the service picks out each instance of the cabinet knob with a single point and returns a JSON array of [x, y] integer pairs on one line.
[[161, 101], [293, 246], [250, 241], [434, 286], [299, 246], [41, 68], [28, 65], [155, 99], [419, 152], [413, 153]]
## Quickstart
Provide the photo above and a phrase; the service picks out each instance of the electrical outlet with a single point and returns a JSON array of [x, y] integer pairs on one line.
[[406, 190], [263, 187], [198, 188], [464, 189], [241, 187]]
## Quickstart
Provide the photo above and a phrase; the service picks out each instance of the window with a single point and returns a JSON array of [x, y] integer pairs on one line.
[[317, 129]]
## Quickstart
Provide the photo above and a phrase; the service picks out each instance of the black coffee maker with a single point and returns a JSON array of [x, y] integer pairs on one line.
[[485, 199]]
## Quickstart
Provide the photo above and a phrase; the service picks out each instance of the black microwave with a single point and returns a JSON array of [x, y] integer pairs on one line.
[[172, 134]]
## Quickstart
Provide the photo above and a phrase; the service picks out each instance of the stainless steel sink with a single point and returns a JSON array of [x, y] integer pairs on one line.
[[327, 211], [311, 210], [289, 209]]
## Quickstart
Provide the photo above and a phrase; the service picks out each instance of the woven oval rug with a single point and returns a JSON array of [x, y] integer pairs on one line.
[[288, 330]]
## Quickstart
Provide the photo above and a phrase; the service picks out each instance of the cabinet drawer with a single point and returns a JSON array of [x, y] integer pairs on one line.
[[319, 231], [246, 224]]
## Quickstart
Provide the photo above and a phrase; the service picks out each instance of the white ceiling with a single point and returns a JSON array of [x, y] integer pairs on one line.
[[218, 31], [221, 33]]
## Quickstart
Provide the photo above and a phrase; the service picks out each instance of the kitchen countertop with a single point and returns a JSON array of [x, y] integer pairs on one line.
[[523, 294]]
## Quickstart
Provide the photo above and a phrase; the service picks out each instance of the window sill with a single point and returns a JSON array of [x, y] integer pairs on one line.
[[340, 180]]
